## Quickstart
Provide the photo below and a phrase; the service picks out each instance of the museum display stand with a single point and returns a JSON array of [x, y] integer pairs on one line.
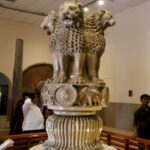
[[74, 124]]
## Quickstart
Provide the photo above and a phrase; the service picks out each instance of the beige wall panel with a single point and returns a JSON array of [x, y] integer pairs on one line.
[[126, 63], [35, 45]]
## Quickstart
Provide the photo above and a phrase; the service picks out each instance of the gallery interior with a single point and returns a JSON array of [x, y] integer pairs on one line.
[[26, 62]]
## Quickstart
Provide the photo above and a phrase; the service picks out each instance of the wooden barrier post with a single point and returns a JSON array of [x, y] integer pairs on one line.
[[17, 74]]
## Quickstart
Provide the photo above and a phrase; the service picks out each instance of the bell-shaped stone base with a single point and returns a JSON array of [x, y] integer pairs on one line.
[[73, 132]]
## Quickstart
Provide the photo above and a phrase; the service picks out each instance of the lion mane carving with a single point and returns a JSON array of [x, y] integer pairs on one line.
[[67, 38], [95, 25], [49, 22]]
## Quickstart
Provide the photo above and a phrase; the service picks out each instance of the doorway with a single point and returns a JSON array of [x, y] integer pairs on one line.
[[4, 103], [4, 87]]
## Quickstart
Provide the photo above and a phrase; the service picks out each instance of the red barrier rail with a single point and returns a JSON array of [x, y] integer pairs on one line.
[[120, 141], [24, 141], [124, 142]]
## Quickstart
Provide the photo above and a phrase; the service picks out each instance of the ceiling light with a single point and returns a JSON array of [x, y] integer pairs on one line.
[[86, 9], [101, 2]]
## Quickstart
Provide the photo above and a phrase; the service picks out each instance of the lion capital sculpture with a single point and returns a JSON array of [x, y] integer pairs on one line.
[[82, 40]]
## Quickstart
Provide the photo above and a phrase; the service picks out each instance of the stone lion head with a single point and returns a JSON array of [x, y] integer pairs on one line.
[[71, 13], [49, 22], [105, 18]]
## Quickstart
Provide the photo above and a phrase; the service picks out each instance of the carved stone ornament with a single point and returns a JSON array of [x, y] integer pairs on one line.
[[75, 93], [65, 95]]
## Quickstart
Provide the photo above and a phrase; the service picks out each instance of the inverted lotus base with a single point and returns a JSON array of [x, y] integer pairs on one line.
[[73, 132]]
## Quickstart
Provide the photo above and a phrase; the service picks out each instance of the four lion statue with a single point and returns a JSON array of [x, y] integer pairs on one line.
[[76, 43]]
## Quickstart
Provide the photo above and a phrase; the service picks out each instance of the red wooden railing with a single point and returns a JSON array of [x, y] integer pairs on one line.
[[120, 141], [24, 141], [124, 142]]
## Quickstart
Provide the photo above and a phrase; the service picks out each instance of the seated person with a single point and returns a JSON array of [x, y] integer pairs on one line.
[[33, 118]]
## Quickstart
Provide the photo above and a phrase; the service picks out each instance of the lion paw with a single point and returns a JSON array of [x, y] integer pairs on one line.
[[62, 78], [77, 80], [98, 81], [55, 77]]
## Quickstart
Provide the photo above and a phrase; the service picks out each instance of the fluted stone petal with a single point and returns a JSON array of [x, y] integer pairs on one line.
[[73, 132]]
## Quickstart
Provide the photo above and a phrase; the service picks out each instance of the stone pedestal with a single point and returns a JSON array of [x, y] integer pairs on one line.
[[74, 124]]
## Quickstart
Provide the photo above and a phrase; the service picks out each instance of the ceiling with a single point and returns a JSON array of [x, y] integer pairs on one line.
[[41, 7]]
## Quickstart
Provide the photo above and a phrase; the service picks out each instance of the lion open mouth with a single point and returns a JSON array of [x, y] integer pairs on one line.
[[67, 19]]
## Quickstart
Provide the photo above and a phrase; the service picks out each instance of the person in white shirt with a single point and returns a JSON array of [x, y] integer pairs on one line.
[[33, 118]]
